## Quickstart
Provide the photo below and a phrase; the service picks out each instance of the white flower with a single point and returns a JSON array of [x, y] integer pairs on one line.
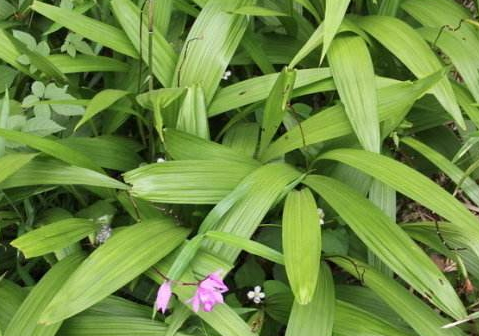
[[321, 216], [256, 295], [227, 74], [160, 160]]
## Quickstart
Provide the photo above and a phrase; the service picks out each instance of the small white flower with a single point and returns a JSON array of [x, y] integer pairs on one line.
[[321, 216], [160, 160], [227, 74], [256, 295]]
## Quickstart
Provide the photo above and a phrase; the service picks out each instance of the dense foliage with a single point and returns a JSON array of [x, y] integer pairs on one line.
[[319, 155]]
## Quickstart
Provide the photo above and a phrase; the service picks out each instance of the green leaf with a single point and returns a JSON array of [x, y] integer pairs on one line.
[[201, 182], [351, 320], [86, 63], [335, 11], [315, 318], [184, 146], [313, 42], [110, 36], [257, 89], [389, 243], [110, 152], [243, 138], [276, 106], [50, 147], [41, 171], [163, 55], [407, 45], [211, 43], [332, 122], [53, 237], [258, 11], [247, 245], [301, 243], [469, 186], [26, 319], [346, 55], [11, 163], [413, 185], [248, 203], [412, 309], [11, 296], [123, 257], [112, 326], [100, 102], [192, 117], [9, 52]]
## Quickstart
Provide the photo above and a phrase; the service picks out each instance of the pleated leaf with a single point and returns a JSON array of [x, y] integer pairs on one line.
[[11, 163], [25, 322], [346, 56], [163, 55], [315, 318], [301, 243], [41, 171], [389, 243], [412, 184], [276, 106], [407, 45], [11, 296], [424, 320], [186, 181], [100, 102], [335, 11], [54, 236], [87, 63], [122, 258], [192, 117], [210, 44], [333, 122], [110, 36]]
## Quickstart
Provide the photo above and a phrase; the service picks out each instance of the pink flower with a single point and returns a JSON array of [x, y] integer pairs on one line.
[[163, 297], [209, 293]]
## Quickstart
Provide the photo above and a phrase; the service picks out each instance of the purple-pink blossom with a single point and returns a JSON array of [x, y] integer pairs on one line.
[[209, 293], [163, 297]]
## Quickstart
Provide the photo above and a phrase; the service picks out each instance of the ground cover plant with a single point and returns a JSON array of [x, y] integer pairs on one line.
[[239, 167]]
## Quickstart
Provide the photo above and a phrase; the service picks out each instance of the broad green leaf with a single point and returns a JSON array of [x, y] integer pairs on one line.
[[118, 306], [162, 17], [346, 56], [313, 42], [247, 204], [192, 117], [252, 45], [50, 147], [335, 11], [243, 138], [276, 106], [247, 245], [424, 320], [163, 55], [186, 181], [466, 101], [41, 171], [26, 319], [110, 36], [257, 89], [53, 237], [100, 102], [412, 184], [11, 163], [79, 8], [123, 257], [389, 7], [112, 326], [210, 44], [461, 53], [87, 63], [258, 11], [184, 146], [4, 116], [301, 243], [109, 152], [351, 320], [389, 243], [332, 122], [407, 45], [9, 52], [11, 296], [315, 318], [469, 186]]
